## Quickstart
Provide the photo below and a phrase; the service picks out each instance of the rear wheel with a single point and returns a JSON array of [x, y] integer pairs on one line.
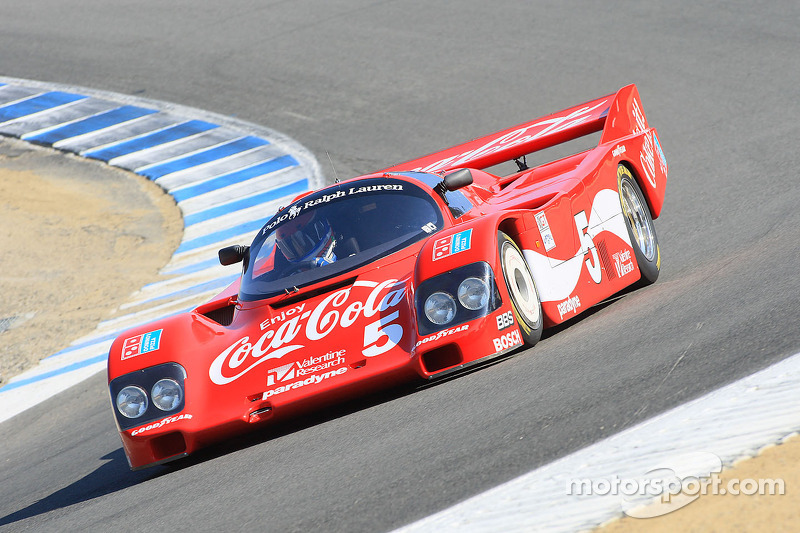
[[524, 297], [640, 226]]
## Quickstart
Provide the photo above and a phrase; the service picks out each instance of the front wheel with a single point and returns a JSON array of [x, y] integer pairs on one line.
[[524, 297], [640, 226]]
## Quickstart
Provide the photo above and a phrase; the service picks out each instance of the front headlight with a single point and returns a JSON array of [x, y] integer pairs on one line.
[[473, 293], [132, 402], [440, 308], [167, 394], [148, 394], [455, 297]]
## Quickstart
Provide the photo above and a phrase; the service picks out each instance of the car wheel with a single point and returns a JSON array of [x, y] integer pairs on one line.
[[640, 226], [524, 297]]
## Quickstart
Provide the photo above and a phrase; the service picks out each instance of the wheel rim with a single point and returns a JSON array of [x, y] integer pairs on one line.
[[521, 286], [638, 220]]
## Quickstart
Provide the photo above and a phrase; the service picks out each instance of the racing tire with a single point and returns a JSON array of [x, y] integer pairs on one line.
[[525, 301], [640, 227]]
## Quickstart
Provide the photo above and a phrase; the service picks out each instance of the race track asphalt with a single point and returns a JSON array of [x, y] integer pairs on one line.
[[374, 83]]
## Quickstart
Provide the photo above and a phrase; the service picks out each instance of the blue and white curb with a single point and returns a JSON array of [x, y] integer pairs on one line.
[[227, 176]]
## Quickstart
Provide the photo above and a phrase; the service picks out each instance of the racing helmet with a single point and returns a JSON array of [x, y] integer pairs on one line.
[[307, 238]]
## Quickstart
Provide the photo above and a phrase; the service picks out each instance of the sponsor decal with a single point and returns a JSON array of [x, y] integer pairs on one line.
[[312, 380], [638, 116], [618, 151], [309, 365], [588, 248], [144, 343], [661, 159], [337, 310], [516, 137], [443, 333], [648, 160], [160, 423], [623, 263], [277, 319], [509, 340], [570, 305], [544, 231], [430, 227], [295, 210], [325, 198], [505, 320], [452, 244], [647, 156]]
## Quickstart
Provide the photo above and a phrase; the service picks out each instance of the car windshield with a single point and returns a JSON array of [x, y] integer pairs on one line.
[[336, 230]]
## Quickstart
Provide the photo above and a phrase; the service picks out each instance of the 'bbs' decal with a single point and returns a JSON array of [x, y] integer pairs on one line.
[[505, 320]]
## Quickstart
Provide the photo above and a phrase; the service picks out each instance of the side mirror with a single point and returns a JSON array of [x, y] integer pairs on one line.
[[458, 179], [230, 255]]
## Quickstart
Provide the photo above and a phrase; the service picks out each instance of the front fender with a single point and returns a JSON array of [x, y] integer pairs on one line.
[[469, 242]]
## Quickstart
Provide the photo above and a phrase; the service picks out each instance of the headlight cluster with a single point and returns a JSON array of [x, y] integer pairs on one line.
[[148, 394], [456, 296]]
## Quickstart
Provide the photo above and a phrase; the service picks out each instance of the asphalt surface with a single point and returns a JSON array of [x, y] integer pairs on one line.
[[376, 83]]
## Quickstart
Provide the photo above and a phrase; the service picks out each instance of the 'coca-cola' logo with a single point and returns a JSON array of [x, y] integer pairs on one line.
[[336, 310], [516, 137]]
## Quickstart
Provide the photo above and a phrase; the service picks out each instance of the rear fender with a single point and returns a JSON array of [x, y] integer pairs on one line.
[[637, 144]]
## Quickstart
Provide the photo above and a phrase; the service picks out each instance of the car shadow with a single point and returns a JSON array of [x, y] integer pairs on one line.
[[115, 475], [112, 476], [280, 429]]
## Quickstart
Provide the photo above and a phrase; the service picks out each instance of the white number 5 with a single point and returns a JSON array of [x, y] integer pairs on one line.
[[381, 328], [587, 245]]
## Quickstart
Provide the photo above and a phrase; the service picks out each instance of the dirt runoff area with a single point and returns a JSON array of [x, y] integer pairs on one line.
[[737, 504], [77, 238]]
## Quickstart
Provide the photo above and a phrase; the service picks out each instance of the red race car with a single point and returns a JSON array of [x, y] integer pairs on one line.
[[414, 272]]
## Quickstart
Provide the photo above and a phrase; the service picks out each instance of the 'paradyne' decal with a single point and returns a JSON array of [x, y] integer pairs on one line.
[[452, 244], [291, 332], [144, 343], [570, 305], [315, 379]]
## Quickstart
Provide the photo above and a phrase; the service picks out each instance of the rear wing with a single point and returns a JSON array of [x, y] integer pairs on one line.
[[617, 115]]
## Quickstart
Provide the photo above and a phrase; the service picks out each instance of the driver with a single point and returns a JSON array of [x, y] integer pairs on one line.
[[306, 241]]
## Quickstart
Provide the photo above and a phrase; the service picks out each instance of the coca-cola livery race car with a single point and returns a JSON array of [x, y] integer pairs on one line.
[[414, 272]]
